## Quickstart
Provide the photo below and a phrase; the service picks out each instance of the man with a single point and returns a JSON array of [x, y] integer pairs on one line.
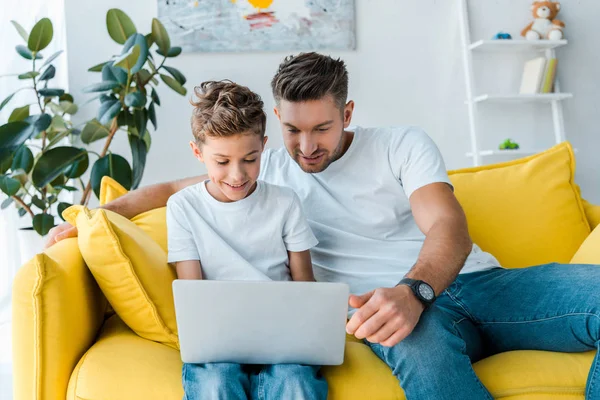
[[388, 224]]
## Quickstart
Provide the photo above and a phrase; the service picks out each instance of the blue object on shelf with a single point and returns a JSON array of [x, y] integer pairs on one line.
[[502, 36]]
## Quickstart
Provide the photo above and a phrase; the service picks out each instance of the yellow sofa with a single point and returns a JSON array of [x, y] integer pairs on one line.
[[67, 343]]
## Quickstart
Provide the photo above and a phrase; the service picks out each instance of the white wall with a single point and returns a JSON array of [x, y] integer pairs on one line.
[[407, 69]]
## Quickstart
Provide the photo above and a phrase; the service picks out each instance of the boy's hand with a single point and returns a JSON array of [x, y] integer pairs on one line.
[[60, 232], [385, 315]]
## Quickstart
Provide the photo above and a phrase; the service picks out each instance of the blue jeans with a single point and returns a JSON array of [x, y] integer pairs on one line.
[[551, 307], [235, 381]]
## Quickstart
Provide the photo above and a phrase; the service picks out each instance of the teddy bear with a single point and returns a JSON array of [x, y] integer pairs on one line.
[[545, 26]]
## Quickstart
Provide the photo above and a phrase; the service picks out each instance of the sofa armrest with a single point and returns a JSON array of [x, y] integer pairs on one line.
[[57, 311]]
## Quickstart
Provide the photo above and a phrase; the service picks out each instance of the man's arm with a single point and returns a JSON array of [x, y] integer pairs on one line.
[[189, 269], [388, 315], [131, 204]]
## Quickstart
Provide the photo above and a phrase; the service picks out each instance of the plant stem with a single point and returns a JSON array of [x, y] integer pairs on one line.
[[42, 110], [113, 129], [22, 203], [154, 73]]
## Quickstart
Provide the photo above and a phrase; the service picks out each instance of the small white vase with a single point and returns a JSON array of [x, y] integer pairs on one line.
[[30, 244]]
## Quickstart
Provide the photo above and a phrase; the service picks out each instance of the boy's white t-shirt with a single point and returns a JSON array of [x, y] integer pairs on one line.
[[243, 240], [359, 210]]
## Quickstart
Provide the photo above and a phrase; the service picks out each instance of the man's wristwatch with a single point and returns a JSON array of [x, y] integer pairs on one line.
[[421, 289]]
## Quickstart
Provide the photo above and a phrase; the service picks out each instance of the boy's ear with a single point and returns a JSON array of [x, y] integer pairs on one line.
[[266, 138], [197, 152]]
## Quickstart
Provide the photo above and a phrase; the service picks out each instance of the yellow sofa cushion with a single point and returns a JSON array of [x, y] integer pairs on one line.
[[131, 270], [121, 365], [525, 212], [589, 251], [593, 213]]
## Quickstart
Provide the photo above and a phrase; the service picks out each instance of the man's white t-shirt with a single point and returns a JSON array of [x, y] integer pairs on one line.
[[358, 207], [243, 240]]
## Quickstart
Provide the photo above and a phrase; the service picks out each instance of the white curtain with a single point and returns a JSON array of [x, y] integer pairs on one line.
[[26, 13]]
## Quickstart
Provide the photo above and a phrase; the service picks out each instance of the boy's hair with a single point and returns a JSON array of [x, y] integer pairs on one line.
[[224, 108], [311, 76]]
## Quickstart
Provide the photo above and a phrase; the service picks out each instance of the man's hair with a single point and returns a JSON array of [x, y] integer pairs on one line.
[[224, 108], [311, 76]]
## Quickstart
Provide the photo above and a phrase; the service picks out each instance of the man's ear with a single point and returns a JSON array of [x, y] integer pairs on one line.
[[276, 111], [348, 110], [197, 152]]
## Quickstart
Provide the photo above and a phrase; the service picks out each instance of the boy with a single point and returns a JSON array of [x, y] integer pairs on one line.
[[234, 227]]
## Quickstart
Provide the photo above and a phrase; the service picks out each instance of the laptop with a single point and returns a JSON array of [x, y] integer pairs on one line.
[[261, 322]]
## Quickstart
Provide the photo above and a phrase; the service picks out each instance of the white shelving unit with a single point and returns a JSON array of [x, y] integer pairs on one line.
[[474, 100]]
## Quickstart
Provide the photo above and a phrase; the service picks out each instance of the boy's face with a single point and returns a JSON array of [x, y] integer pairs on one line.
[[233, 164], [313, 131]]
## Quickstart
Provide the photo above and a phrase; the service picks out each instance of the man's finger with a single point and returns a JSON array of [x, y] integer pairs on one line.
[[359, 301], [396, 338], [372, 325], [385, 332], [361, 316]]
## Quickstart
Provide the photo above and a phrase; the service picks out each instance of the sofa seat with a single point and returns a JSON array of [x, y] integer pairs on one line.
[[122, 365]]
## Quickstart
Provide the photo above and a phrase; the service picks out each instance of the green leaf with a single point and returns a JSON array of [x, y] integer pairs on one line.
[[23, 159], [66, 97], [176, 74], [97, 67], [93, 131], [60, 137], [152, 115], [65, 187], [9, 185], [144, 75], [62, 207], [19, 114], [140, 40], [119, 25], [51, 92], [52, 58], [36, 201], [155, 98], [160, 36], [58, 124], [114, 166], [173, 84], [101, 87], [173, 52], [13, 134], [7, 202], [40, 122], [53, 163], [138, 153], [135, 99], [42, 223], [26, 53], [128, 59], [68, 107], [21, 31], [147, 140], [108, 110], [22, 212], [152, 66], [41, 35], [141, 120], [149, 40], [78, 168], [48, 73], [6, 157], [6, 100], [29, 75]]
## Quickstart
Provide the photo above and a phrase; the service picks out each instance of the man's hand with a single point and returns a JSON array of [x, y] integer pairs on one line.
[[60, 232], [385, 315]]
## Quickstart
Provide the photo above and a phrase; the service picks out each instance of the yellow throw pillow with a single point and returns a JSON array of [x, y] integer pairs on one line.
[[589, 252], [131, 270], [110, 190], [593, 213], [525, 212]]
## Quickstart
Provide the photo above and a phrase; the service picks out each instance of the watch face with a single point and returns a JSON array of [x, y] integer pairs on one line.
[[426, 292]]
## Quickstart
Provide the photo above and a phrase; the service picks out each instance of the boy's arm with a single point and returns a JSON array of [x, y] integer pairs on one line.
[[301, 266], [131, 204], [189, 269]]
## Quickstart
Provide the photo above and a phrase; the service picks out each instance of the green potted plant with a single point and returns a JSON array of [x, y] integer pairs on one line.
[[37, 163], [128, 98]]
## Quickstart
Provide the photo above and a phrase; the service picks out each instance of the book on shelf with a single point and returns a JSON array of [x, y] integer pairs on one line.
[[538, 76]]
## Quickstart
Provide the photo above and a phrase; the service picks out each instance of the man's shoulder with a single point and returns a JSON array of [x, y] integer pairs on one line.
[[277, 193], [383, 133], [186, 197]]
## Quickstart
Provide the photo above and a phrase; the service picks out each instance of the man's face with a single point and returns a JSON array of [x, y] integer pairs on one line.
[[232, 163], [313, 131]]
